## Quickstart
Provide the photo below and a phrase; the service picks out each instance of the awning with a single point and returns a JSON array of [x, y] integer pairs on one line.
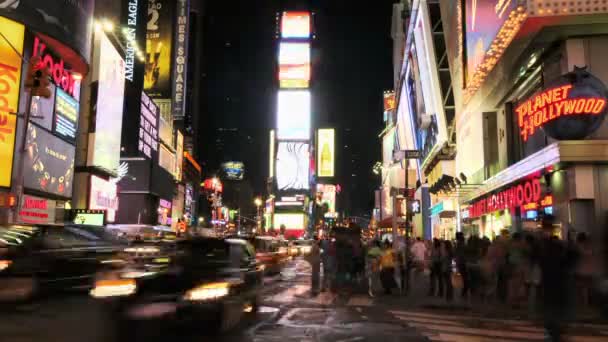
[[444, 171]]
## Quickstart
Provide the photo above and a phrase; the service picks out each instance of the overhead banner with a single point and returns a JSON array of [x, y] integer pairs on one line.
[[326, 152], [66, 21], [10, 79], [49, 163], [159, 43], [110, 73], [180, 57]]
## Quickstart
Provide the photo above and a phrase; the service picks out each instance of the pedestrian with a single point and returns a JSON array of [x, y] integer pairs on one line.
[[533, 273], [387, 268], [315, 261], [436, 280], [585, 269], [418, 251], [557, 261], [460, 254], [329, 263], [372, 264], [447, 256], [517, 262]]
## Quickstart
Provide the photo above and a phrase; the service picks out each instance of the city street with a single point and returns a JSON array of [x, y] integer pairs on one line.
[[289, 313]]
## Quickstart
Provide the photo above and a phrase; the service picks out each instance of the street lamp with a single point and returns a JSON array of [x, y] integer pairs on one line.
[[258, 203]]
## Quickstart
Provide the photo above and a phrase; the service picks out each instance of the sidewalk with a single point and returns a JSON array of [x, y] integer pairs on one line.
[[418, 299]]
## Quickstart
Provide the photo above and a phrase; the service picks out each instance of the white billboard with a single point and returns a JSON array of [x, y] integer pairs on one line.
[[294, 53], [293, 115], [293, 166], [109, 71]]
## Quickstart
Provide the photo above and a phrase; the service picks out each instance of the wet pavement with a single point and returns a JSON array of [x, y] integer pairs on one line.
[[289, 313]]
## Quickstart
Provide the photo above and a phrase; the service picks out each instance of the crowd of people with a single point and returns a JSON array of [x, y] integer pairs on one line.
[[533, 270]]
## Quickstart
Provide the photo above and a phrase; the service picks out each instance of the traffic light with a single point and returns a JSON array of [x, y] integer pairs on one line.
[[37, 79]]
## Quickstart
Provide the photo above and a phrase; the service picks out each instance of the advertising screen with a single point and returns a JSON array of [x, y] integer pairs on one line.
[[110, 72], [294, 65], [328, 195], [11, 79], [66, 115], [483, 22], [326, 152], [292, 166], [49, 163], [148, 126], [293, 115], [159, 43], [165, 121], [104, 196], [234, 170], [295, 25], [179, 156], [66, 21], [41, 111], [294, 53], [271, 154], [166, 159], [88, 217]]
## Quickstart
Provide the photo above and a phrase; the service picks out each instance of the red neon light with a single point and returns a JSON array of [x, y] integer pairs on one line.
[[552, 104], [518, 195]]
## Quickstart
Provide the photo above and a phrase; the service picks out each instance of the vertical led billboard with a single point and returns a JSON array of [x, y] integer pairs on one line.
[[271, 159], [179, 156], [9, 96], [295, 25], [159, 44], [293, 115], [292, 166], [109, 71], [326, 152], [104, 196], [327, 192], [294, 65]]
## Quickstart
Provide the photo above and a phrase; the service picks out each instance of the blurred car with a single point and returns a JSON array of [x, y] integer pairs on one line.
[[304, 246], [270, 253], [207, 280], [41, 260]]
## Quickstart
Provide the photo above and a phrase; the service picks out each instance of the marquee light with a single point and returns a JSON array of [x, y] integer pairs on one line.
[[518, 195]]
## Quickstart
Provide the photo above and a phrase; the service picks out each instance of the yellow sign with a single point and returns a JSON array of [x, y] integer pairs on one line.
[[326, 152], [10, 79]]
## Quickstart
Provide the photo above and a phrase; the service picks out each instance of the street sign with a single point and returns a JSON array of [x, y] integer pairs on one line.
[[406, 154]]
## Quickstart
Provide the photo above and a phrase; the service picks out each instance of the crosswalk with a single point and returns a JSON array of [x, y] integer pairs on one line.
[[462, 328]]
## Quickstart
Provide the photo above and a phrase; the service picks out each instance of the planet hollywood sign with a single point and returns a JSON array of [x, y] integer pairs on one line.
[[571, 108], [515, 196]]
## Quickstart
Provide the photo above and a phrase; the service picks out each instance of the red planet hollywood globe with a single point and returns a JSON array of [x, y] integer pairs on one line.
[[581, 111]]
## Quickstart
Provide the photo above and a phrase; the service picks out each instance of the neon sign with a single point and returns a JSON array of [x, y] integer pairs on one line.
[[571, 108], [61, 76], [551, 104], [518, 195]]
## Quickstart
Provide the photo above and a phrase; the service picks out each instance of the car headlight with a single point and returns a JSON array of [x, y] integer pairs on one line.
[[208, 292], [4, 264], [113, 288], [144, 249]]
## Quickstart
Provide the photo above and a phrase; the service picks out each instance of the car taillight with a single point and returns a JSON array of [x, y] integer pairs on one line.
[[4, 264]]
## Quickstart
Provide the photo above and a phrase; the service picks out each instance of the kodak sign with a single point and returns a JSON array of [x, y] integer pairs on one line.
[[10, 80]]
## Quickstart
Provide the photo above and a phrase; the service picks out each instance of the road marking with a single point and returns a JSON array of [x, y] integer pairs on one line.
[[453, 328], [290, 294]]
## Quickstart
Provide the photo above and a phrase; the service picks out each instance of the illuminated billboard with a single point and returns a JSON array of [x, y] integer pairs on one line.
[[295, 25], [179, 156], [294, 65], [166, 159], [41, 111], [293, 115], [109, 71], [326, 152], [9, 98], [294, 53], [294, 224], [66, 115], [234, 170], [271, 159], [327, 194], [159, 47], [148, 126], [484, 20], [104, 195], [292, 166], [49, 163]]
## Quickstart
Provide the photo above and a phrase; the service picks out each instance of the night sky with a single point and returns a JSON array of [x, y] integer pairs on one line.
[[352, 65]]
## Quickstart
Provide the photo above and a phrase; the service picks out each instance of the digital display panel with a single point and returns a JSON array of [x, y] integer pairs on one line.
[[234, 170], [104, 195], [66, 115], [328, 196], [49, 163], [179, 156], [293, 115], [294, 53], [292, 166], [326, 152], [290, 221], [41, 111], [295, 25], [166, 159], [88, 219], [109, 71], [148, 126]]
